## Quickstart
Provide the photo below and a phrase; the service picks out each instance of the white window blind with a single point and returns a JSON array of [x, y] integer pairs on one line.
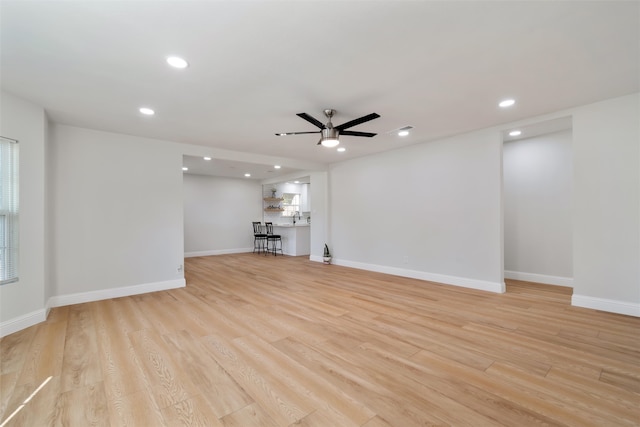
[[8, 210]]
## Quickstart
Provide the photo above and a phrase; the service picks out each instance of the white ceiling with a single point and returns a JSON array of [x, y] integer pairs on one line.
[[538, 128], [236, 169], [438, 66]]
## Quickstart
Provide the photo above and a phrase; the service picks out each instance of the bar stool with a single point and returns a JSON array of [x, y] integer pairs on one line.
[[274, 239], [259, 238]]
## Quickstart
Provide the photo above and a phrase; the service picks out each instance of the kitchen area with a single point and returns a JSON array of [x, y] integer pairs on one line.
[[288, 206]]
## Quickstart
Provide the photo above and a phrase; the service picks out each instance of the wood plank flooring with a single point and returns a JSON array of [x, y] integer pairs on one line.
[[281, 341]]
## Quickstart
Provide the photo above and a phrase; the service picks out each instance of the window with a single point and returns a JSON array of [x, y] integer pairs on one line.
[[8, 210], [291, 203]]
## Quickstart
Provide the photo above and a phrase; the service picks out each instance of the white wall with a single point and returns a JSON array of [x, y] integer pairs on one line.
[[117, 210], [218, 213], [431, 211], [22, 303], [538, 179], [606, 241]]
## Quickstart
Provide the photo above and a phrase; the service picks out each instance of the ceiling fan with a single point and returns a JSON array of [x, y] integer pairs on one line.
[[330, 133]]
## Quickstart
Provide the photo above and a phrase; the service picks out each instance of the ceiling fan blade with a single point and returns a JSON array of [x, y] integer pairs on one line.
[[357, 121], [355, 133], [311, 120], [295, 133]]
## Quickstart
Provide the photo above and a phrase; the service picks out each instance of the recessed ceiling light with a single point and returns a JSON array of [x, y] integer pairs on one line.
[[247, 175], [507, 103], [296, 182], [184, 168], [177, 62], [515, 133], [207, 158], [403, 131], [341, 149], [147, 111], [277, 167]]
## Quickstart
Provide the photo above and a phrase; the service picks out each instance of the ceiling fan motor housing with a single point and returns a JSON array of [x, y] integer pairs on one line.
[[330, 133], [329, 113]]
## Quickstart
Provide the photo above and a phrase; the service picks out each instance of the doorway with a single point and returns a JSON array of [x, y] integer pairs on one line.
[[537, 189]]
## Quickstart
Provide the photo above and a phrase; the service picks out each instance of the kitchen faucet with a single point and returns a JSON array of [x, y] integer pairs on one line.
[[294, 216]]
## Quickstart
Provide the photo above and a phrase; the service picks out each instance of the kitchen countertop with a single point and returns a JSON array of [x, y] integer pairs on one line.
[[291, 225]]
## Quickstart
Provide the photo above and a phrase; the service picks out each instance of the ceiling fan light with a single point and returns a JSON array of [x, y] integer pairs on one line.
[[330, 136], [330, 142]]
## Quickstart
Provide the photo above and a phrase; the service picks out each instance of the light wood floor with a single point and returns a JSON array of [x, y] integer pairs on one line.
[[281, 341]]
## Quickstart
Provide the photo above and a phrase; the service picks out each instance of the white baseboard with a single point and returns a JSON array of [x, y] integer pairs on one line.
[[603, 304], [464, 282], [62, 300], [217, 252], [539, 278], [22, 322]]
